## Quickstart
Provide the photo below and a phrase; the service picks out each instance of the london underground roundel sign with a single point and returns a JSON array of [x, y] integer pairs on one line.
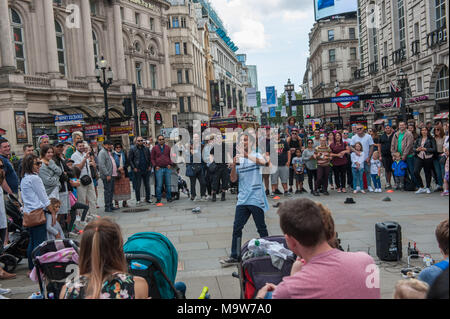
[[343, 94]]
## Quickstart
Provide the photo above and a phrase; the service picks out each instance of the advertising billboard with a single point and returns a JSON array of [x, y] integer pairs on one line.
[[327, 8]]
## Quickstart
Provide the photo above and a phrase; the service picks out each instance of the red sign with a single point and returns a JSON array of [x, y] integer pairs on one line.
[[158, 118], [144, 117], [63, 135], [345, 105]]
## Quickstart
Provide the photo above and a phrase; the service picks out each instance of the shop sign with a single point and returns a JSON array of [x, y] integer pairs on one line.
[[120, 130], [158, 118], [93, 130], [77, 128], [67, 120]]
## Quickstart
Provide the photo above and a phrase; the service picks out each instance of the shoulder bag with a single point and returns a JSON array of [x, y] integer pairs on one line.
[[34, 218], [86, 180]]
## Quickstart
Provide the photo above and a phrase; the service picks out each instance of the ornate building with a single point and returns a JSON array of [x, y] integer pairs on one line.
[[48, 56], [405, 35]]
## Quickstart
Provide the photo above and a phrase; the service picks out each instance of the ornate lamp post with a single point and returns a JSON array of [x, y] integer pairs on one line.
[[289, 88], [402, 79], [105, 82], [336, 90]]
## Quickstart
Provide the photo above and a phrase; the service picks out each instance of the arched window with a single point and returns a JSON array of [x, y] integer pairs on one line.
[[442, 84], [60, 48], [137, 46], [96, 47], [18, 40]]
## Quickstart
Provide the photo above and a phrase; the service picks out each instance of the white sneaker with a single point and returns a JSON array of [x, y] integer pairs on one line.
[[4, 291], [428, 191], [421, 191], [370, 189], [138, 203], [3, 297], [204, 199]]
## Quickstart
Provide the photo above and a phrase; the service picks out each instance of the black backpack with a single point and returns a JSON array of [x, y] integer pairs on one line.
[[409, 184]]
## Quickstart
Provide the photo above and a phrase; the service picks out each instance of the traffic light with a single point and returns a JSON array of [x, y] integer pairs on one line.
[[308, 116], [127, 107]]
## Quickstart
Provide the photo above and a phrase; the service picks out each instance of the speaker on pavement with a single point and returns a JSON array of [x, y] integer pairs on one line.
[[389, 241]]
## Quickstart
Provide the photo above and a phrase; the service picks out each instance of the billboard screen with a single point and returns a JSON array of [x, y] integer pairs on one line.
[[327, 8]]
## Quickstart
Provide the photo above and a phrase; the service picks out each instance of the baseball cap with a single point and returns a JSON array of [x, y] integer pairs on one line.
[[107, 142], [58, 144]]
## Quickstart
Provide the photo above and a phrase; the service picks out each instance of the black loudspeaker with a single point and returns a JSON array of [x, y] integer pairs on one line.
[[389, 241]]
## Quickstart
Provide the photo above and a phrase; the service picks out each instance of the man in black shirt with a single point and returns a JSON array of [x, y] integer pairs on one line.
[[386, 155], [294, 143]]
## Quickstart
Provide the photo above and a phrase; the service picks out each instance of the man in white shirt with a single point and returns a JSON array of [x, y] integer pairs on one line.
[[86, 193], [368, 146]]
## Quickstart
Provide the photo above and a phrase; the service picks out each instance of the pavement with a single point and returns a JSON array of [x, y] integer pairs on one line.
[[203, 239]]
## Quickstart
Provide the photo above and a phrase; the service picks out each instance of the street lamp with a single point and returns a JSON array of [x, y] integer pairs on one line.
[[289, 88], [336, 90], [403, 81], [322, 87], [105, 82]]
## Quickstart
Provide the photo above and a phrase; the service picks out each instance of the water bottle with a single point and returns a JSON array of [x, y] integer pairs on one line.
[[259, 250], [36, 295]]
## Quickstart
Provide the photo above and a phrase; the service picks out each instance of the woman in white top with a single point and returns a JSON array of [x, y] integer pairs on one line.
[[34, 197]]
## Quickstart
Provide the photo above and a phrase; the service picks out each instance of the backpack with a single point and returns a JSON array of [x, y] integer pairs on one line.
[[409, 184]]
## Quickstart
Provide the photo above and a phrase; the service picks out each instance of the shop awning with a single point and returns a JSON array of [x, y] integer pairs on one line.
[[378, 122], [441, 116]]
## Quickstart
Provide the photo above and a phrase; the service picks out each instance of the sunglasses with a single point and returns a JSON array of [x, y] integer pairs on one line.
[[38, 163], [140, 141]]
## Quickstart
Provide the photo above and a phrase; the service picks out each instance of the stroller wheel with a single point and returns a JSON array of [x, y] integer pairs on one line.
[[8, 262]]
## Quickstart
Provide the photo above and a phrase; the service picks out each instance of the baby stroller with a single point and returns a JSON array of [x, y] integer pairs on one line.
[[16, 250], [54, 261], [255, 272], [153, 257]]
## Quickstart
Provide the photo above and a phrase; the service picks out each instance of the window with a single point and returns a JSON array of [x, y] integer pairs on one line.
[[189, 104], [18, 41], [186, 72], [374, 45], [419, 84], [416, 31], [96, 47], [401, 24], [352, 53], [440, 14], [180, 76], [175, 23], [182, 110], [177, 48], [333, 75], [93, 7], [383, 12], [185, 48], [332, 55], [442, 84], [136, 18], [352, 34], [122, 15], [183, 22], [139, 74], [137, 46], [60, 48], [153, 76], [152, 24], [330, 35]]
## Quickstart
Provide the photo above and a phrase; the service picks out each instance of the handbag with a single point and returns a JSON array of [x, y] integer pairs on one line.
[[73, 200], [34, 218], [86, 180]]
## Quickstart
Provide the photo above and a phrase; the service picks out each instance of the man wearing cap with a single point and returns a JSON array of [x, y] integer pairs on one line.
[[294, 143], [108, 170]]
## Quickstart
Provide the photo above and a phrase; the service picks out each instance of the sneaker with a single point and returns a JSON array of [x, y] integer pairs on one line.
[[428, 191], [380, 190], [149, 201], [3, 297], [4, 291], [229, 262], [388, 186], [204, 199], [267, 192], [297, 192], [363, 192], [138, 203], [355, 192], [290, 190], [445, 193], [316, 193], [370, 189], [421, 191], [288, 194], [277, 192], [193, 198], [326, 193]]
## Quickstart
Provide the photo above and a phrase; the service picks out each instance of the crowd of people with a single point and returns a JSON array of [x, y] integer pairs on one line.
[[59, 183]]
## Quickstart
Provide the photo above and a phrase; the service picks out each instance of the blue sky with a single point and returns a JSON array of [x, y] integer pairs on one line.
[[273, 34]]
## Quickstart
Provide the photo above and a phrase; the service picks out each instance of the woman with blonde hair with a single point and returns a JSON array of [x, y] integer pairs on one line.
[[103, 267]]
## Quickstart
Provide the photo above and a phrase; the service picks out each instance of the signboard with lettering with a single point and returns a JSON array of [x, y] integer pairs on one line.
[[71, 119], [93, 130], [120, 130], [145, 4]]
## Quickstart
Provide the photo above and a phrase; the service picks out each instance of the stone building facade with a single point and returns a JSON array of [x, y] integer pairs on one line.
[[48, 56], [408, 35]]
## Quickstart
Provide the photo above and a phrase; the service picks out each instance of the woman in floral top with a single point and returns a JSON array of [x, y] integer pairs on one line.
[[103, 267]]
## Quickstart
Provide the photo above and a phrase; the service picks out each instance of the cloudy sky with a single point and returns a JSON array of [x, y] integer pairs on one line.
[[273, 34]]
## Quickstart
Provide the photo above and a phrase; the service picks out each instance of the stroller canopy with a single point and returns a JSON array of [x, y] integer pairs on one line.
[[160, 248]]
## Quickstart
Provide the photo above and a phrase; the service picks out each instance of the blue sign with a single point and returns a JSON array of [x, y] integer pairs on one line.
[[271, 95], [273, 112], [67, 118], [343, 99]]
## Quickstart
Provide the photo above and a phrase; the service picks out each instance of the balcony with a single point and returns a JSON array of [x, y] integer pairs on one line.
[[437, 37], [384, 62], [373, 68], [399, 56], [442, 95], [415, 48], [358, 74]]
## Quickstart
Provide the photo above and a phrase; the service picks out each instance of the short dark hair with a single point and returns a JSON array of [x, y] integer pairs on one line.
[[442, 231], [26, 146], [27, 164], [118, 145], [3, 140], [45, 149], [79, 142], [302, 219]]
